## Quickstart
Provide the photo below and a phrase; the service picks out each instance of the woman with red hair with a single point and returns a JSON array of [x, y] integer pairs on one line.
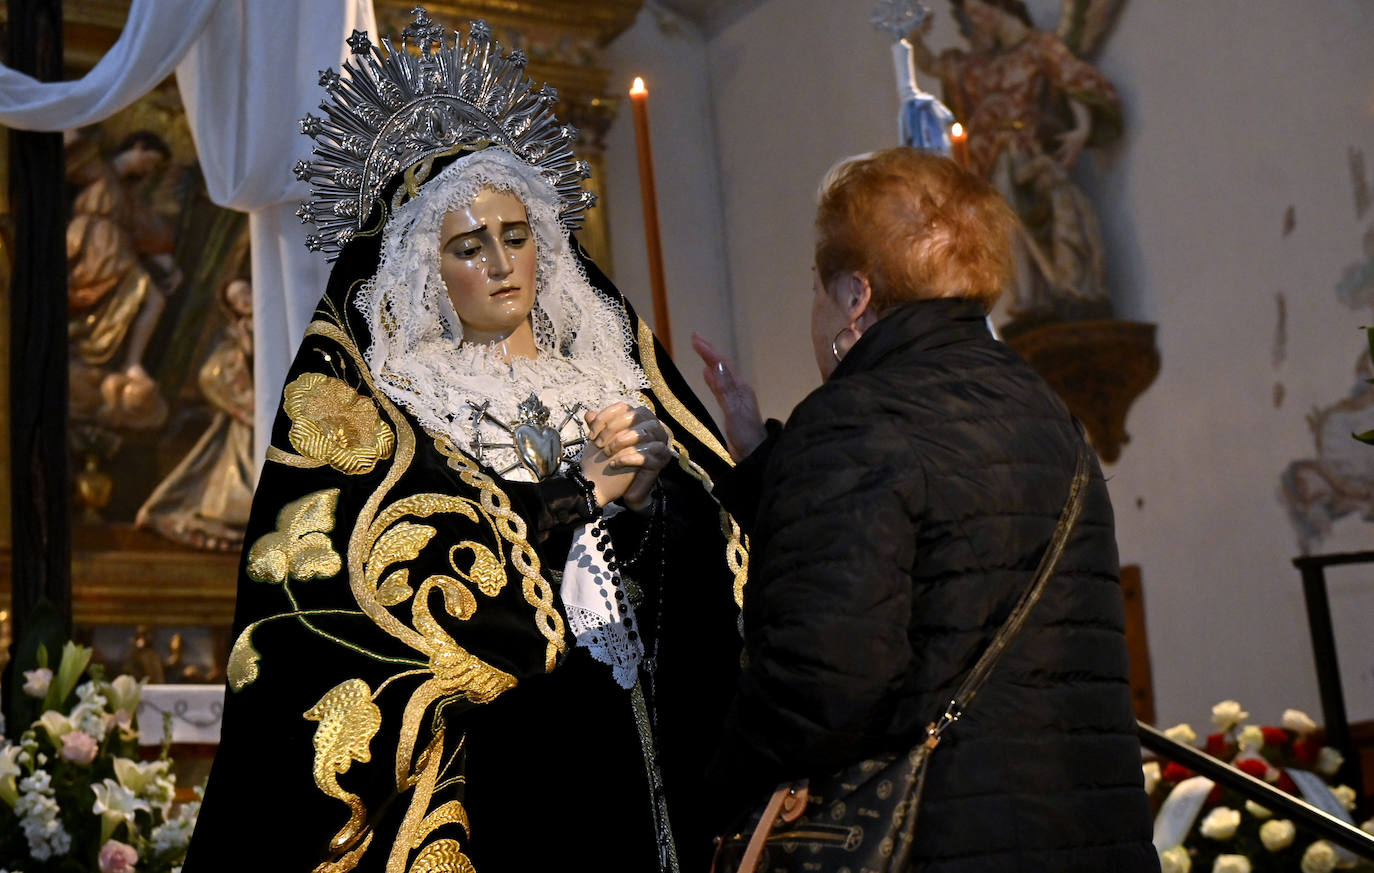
[[902, 512]]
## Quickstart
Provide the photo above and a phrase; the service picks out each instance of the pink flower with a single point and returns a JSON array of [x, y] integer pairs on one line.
[[79, 747], [117, 857]]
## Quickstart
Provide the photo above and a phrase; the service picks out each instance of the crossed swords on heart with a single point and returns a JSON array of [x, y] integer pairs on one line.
[[538, 447]]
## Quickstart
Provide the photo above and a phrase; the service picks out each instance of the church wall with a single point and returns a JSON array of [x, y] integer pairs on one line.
[[1234, 112], [670, 54]]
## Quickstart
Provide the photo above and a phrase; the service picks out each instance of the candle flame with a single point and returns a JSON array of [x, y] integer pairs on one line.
[[638, 87], [956, 131]]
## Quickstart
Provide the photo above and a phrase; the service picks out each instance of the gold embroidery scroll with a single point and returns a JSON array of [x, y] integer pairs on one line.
[[331, 422], [300, 547], [443, 856], [671, 404], [348, 721], [536, 589], [486, 571]]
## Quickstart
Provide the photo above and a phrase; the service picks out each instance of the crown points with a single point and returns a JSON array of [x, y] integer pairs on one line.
[[395, 105], [359, 43], [423, 31]]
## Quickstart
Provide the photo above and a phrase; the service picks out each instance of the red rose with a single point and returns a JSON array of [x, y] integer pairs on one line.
[[1217, 745], [1275, 736], [1176, 772], [1253, 766], [1306, 752], [1286, 783], [1213, 796]]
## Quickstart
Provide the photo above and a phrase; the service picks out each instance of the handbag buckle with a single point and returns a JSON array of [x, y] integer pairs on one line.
[[935, 729]]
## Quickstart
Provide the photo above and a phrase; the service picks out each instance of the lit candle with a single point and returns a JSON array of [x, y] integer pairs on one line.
[[648, 195], [958, 144]]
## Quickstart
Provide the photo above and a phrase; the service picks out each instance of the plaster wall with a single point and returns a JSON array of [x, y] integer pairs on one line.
[[1235, 111]]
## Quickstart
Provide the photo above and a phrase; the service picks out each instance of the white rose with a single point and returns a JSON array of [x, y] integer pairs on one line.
[[1150, 769], [1346, 795], [1228, 714], [36, 682], [1175, 860], [1251, 739], [1220, 823], [1181, 733], [1329, 761], [1320, 857], [1277, 834], [1231, 864], [1368, 826], [1256, 810], [1297, 721]]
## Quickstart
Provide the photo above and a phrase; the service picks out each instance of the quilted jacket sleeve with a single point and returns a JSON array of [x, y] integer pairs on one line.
[[828, 603]]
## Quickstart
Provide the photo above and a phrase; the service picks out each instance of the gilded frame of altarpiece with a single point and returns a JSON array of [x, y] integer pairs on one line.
[[123, 575]]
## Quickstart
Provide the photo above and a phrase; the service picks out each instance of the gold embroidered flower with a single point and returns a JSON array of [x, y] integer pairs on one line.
[[300, 547], [333, 424]]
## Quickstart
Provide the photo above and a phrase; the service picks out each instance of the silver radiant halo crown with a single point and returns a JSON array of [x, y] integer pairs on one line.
[[388, 111]]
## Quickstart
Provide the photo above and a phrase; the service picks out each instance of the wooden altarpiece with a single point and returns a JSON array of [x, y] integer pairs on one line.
[[125, 578]]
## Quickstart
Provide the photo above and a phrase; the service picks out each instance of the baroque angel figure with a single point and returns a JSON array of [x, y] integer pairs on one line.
[[1031, 104]]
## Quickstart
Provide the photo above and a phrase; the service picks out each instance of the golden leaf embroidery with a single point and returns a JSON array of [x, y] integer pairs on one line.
[[458, 602], [299, 548], [348, 721], [243, 660], [403, 542], [331, 422], [449, 813], [486, 572], [458, 670], [396, 589], [442, 856]]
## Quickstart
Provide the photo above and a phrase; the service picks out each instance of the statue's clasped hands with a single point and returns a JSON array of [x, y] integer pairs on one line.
[[626, 449]]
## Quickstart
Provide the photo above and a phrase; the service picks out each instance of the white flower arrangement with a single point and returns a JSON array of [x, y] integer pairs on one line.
[[1231, 864], [73, 794], [1221, 823], [1227, 714], [1320, 857], [1208, 827]]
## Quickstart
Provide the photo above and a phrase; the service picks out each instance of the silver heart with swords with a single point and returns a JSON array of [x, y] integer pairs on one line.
[[538, 447]]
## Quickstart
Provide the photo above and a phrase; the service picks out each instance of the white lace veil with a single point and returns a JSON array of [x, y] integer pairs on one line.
[[416, 353]]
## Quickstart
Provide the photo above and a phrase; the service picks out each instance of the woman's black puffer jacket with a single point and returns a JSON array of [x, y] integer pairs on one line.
[[904, 508]]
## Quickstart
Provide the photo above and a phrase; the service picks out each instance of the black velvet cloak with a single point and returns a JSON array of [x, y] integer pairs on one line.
[[403, 691]]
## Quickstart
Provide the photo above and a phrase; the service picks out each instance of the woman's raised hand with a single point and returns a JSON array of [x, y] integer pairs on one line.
[[743, 424], [626, 449]]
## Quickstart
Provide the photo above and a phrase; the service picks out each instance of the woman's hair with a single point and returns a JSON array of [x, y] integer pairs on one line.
[[916, 225]]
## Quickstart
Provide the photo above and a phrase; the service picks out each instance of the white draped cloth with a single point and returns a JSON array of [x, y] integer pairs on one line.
[[248, 70]]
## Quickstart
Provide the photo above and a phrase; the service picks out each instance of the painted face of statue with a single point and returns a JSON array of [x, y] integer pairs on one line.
[[487, 263]]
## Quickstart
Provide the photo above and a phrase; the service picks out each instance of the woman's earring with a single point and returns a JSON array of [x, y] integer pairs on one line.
[[834, 343]]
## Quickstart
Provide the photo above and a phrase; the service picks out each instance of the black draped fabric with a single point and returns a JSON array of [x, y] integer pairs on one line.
[[904, 508], [404, 693]]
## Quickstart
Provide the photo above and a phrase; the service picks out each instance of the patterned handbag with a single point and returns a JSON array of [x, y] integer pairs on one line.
[[863, 818]]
